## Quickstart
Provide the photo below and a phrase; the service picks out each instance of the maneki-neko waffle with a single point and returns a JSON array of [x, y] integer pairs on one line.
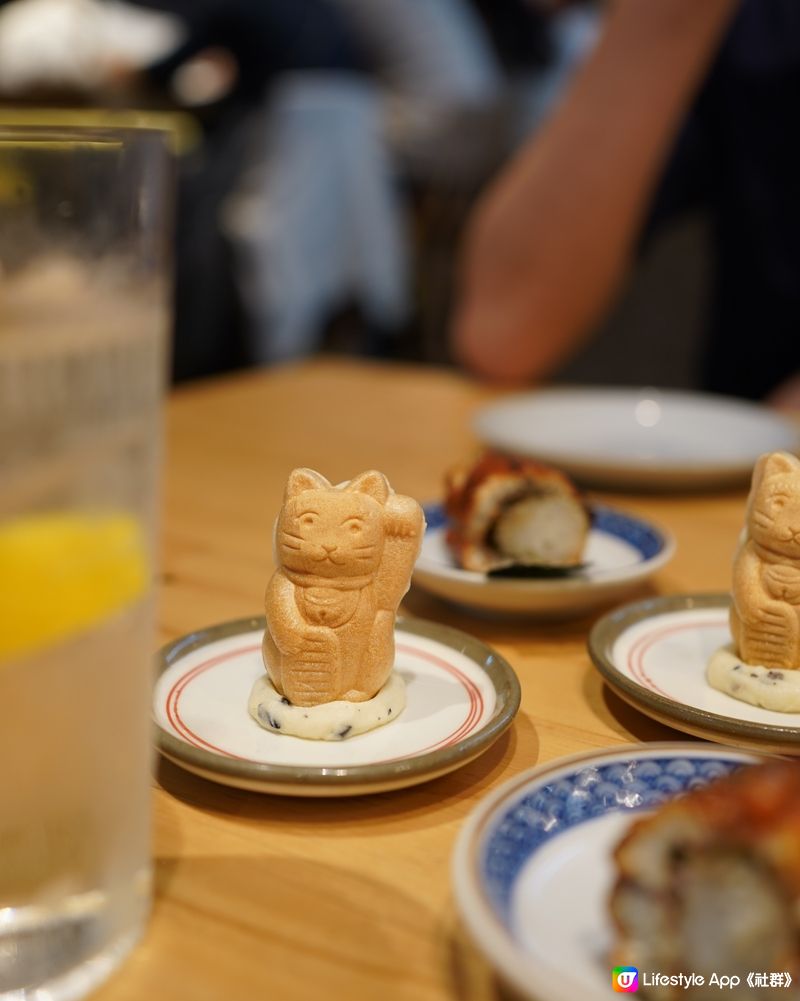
[[762, 665], [344, 558]]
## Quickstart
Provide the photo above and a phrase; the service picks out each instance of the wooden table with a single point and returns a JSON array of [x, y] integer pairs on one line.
[[276, 898]]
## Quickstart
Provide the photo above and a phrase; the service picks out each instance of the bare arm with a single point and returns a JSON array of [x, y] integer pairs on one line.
[[551, 241]]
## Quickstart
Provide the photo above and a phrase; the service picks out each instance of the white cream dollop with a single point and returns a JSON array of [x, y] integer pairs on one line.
[[770, 688], [330, 721]]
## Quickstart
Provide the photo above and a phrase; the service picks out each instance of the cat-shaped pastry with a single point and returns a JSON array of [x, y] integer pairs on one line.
[[344, 555], [765, 617]]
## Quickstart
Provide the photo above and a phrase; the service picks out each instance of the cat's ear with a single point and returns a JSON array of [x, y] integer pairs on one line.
[[372, 483], [774, 464], [304, 479], [780, 462]]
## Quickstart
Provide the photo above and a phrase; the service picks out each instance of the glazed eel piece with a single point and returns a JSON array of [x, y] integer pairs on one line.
[[710, 882], [506, 510]]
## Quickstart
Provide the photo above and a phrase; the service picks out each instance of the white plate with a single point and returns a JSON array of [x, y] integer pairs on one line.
[[646, 438], [533, 866], [622, 552], [460, 693], [654, 655]]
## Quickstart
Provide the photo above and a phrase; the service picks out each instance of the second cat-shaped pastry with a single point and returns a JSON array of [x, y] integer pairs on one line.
[[345, 555], [765, 617]]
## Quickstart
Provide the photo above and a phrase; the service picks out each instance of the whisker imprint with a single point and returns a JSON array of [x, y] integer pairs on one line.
[[291, 535]]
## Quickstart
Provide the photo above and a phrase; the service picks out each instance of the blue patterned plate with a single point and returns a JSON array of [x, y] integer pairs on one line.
[[621, 553], [532, 866]]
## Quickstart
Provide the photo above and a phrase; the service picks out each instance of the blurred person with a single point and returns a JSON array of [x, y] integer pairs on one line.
[[316, 222], [305, 199], [302, 192], [228, 61], [427, 120], [552, 241]]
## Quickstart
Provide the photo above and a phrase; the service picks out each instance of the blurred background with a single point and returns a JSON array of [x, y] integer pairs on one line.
[[333, 153]]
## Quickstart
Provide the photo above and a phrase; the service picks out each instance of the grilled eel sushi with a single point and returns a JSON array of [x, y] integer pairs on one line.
[[711, 883], [504, 510]]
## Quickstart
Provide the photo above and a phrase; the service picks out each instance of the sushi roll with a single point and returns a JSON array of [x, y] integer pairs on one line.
[[505, 510], [710, 883]]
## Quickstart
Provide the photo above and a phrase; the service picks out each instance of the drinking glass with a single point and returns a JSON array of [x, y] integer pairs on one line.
[[84, 293]]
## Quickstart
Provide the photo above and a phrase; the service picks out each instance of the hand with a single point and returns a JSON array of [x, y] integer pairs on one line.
[[401, 530], [403, 518]]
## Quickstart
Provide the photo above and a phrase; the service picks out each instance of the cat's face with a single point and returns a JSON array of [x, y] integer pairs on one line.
[[332, 531], [774, 509]]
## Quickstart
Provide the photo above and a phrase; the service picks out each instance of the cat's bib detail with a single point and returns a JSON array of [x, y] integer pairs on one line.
[[326, 606]]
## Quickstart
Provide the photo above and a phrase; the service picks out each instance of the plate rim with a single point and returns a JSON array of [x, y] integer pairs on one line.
[[607, 630], [660, 470], [487, 931], [638, 571], [375, 776]]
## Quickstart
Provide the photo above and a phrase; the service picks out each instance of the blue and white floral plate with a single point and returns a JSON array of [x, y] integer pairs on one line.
[[622, 552], [533, 866]]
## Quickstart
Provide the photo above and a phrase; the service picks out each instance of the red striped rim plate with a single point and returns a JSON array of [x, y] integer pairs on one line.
[[461, 695]]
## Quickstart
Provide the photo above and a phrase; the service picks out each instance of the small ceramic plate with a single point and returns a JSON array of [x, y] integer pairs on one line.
[[461, 695], [644, 438], [621, 553], [533, 865], [654, 655]]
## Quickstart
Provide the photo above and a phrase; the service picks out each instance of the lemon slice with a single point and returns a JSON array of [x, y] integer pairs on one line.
[[62, 572]]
